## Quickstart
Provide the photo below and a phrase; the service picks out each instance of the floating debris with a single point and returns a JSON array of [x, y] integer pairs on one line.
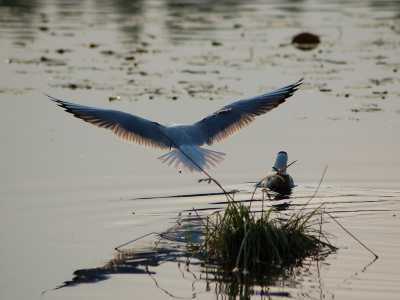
[[387, 80], [19, 43], [74, 86], [200, 72], [62, 51], [194, 72], [367, 109], [140, 50], [111, 98], [43, 59], [344, 119], [107, 52], [336, 62], [306, 41], [325, 90]]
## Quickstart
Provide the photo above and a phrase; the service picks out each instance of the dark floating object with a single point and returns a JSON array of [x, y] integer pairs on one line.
[[43, 28], [74, 86], [306, 41], [51, 62], [194, 72], [92, 45], [199, 71], [62, 51], [140, 50], [325, 90], [111, 98], [216, 43], [368, 109], [19, 43], [107, 52]]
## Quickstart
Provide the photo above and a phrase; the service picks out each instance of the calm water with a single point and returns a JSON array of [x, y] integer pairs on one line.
[[70, 193]]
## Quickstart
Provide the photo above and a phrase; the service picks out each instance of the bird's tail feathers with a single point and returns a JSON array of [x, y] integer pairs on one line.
[[204, 158]]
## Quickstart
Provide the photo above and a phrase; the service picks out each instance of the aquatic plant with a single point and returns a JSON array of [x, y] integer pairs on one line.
[[238, 239]]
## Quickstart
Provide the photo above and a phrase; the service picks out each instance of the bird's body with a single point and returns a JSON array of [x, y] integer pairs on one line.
[[184, 139], [278, 179]]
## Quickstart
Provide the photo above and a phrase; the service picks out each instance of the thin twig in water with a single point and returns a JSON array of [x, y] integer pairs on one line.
[[319, 184], [117, 248], [376, 256]]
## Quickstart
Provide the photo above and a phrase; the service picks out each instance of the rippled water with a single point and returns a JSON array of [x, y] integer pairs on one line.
[[71, 193]]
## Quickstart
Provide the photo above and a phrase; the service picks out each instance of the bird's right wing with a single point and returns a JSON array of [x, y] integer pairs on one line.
[[234, 117], [127, 127]]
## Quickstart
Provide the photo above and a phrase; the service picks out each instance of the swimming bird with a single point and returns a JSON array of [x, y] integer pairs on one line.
[[278, 179], [185, 140]]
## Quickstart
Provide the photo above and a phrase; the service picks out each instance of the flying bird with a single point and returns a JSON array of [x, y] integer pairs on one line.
[[183, 140]]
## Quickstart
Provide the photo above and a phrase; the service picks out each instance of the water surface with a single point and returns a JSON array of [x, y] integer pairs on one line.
[[67, 187]]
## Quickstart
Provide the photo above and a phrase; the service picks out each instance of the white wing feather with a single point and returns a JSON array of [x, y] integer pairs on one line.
[[127, 127], [234, 117]]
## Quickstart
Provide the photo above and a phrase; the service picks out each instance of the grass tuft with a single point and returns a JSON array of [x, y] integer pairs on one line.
[[239, 240]]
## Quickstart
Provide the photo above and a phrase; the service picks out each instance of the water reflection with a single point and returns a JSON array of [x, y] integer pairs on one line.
[[182, 20], [145, 255], [21, 6], [355, 67]]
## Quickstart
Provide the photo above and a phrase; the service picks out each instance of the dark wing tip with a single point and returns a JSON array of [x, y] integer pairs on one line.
[[293, 88], [64, 105], [296, 85], [59, 102]]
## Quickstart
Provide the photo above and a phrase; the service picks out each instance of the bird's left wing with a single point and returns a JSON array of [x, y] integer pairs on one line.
[[127, 127], [233, 117]]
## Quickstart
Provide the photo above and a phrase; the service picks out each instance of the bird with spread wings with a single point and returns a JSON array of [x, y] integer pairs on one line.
[[185, 140]]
